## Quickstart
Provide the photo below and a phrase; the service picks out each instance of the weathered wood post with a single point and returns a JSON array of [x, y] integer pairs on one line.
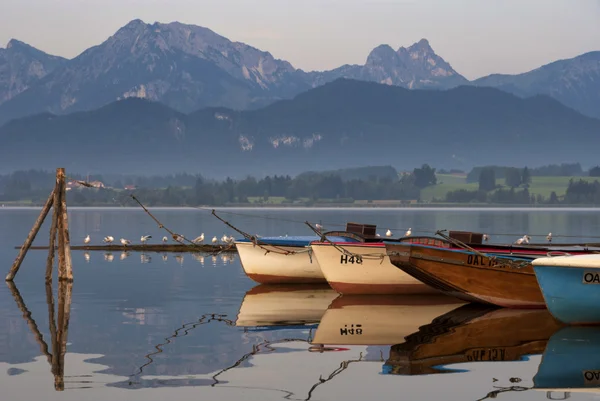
[[29, 240], [65, 229], [52, 245]]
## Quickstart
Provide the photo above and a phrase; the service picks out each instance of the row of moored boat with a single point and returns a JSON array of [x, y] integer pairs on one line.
[[565, 278]]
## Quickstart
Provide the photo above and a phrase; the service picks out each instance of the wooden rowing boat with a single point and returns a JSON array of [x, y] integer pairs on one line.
[[499, 279]]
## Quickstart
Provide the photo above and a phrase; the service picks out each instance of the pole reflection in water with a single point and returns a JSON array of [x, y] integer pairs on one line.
[[59, 328]]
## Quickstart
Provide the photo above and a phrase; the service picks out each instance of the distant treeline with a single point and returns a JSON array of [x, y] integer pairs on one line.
[[578, 192], [551, 170], [369, 183]]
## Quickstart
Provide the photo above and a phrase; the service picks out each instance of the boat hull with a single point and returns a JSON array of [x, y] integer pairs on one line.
[[269, 264], [572, 294], [369, 272], [505, 281]]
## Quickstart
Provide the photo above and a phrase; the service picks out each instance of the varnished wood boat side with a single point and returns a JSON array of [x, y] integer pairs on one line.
[[469, 276]]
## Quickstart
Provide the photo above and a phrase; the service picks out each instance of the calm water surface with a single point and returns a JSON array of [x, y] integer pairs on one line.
[[153, 326]]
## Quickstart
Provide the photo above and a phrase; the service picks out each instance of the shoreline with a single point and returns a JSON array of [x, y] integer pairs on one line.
[[328, 206]]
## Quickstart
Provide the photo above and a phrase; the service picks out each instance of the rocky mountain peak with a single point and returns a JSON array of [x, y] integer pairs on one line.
[[382, 54]]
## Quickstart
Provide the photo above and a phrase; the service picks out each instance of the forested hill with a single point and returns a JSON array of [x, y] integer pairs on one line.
[[341, 124]]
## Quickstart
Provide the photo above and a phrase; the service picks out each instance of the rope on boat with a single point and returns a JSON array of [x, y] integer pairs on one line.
[[261, 244], [344, 251], [498, 262]]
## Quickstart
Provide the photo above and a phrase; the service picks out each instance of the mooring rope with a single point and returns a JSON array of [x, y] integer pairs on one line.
[[344, 251], [177, 237], [257, 242]]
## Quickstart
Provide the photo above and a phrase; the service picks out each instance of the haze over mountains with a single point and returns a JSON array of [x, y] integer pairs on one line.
[[344, 123], [188, 67]]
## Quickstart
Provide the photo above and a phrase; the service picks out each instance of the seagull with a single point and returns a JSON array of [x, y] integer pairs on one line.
[[164, 240], [145, 238], [231, 240], [526, 239], [549, 237], [199, 239], [377, 235], [408, 233], [178, 238], [224, 238], [486, 238], [523, 240], [87, 240], [388, 233], [319, 227], [108, 239], [215, 240], [125, 241]]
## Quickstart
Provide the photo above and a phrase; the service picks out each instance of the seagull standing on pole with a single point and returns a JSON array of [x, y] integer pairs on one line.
[[388, 233], [549, 237], [87, 240], [145, 238]]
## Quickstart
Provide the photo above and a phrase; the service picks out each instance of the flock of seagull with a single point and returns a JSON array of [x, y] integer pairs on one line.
[[177, 238]]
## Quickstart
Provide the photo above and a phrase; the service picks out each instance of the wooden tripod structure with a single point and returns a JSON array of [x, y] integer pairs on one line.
[[59, 228], [59, 325]]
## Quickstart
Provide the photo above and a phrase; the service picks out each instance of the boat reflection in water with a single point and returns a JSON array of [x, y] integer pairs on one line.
[[472, 333], [570, 363], [427, 333], [284, 305], [379, 319]]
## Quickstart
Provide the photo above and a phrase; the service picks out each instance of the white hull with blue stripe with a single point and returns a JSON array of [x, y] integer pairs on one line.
[[278, 260]]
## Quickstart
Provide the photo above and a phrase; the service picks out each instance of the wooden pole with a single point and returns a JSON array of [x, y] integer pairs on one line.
[[68, 269], [52, 245], [29, 240], [59, 224]]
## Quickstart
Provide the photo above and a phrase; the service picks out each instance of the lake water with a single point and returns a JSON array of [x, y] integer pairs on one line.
[[170, 326]]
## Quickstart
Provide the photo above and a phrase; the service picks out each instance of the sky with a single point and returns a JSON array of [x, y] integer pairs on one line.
[[477, 37]]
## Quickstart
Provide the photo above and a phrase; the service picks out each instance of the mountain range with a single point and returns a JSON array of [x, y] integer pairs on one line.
[[344, 123], [188, 67]]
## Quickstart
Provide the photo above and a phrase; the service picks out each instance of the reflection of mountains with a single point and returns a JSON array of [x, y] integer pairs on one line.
[[472, 333]]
